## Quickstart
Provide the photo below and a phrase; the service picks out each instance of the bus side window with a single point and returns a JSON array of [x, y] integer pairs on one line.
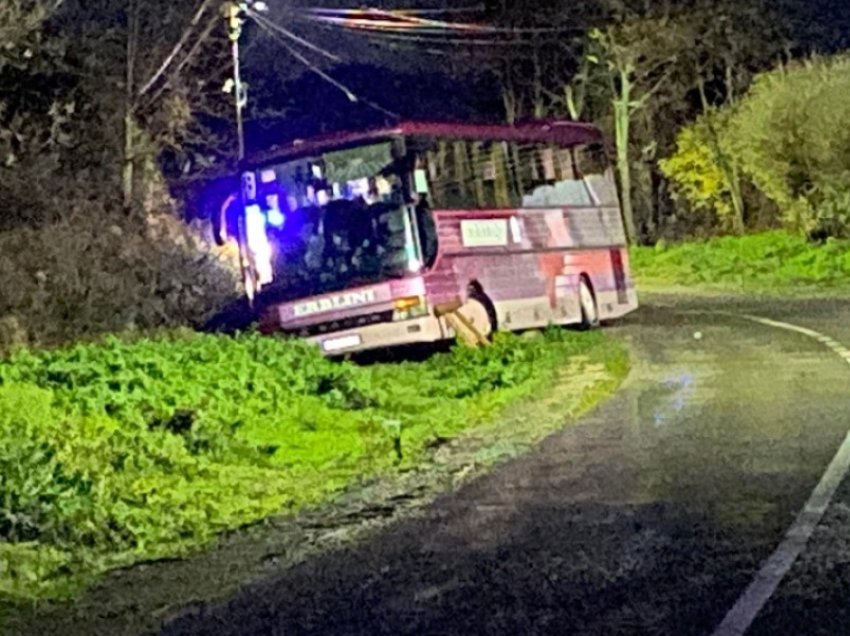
[[449, 169], [556, 179], [427, 232], [494, 176], [476, 175], [595, 167]]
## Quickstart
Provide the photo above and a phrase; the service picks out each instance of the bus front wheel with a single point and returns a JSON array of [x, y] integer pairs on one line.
[[587, 302]]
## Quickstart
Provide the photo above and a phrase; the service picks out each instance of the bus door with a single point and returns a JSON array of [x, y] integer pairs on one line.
[[619, 276]]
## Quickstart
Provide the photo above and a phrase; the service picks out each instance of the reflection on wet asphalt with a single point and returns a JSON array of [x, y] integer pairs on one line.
[[649, 517]]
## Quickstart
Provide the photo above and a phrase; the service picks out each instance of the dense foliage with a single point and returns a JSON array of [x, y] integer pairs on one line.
[[133, 449], [787, 138], [76, 259], [97, 272], [695, 171], [772, 261]]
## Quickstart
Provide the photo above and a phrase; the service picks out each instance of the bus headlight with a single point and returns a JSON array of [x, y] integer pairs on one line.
[[409, 308]]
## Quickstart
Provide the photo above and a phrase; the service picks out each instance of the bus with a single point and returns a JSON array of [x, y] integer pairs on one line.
[[416, 232]]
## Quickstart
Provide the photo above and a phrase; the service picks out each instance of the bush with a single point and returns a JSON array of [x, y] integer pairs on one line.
[[140, 448], [695, 169], [788, 137], [471, 371], [33, 481], [791, 135], [198, 386], [96, 271]]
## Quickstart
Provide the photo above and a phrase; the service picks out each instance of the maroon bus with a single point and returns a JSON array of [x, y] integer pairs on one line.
[[378, 238]]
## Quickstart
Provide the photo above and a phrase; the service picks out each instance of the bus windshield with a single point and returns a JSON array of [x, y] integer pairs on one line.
[[340, 219]]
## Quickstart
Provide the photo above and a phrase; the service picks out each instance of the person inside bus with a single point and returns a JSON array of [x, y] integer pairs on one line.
[[226, 223], [272, 198], [427, 227]]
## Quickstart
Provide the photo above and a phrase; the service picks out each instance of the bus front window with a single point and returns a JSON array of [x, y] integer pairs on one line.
[[347, 221]]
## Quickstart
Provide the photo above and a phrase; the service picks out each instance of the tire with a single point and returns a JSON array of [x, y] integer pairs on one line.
[[589, 307]]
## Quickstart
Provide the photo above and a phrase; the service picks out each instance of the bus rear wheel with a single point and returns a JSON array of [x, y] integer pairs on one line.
[[589, 308]]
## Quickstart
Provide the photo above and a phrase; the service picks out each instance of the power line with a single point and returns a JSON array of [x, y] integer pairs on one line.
[[352, 97], [447, 41], [421, 36], [377, 19], [208, 29], [474, 9], [264, 21], [471, 9]]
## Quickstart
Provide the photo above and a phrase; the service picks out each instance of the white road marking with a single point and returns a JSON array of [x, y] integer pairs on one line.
[[742, 615]]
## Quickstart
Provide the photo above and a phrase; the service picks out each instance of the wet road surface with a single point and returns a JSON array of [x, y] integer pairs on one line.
[[649, 517]]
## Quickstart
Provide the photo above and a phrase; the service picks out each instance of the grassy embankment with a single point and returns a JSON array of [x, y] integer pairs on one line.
[[131, 450], [772, 263]]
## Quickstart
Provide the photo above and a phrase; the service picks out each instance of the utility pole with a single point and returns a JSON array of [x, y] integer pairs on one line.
[[233, 14], [129, 153]]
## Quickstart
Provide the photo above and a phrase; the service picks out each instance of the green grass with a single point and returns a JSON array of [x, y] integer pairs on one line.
[[132, 450], [772, 262]]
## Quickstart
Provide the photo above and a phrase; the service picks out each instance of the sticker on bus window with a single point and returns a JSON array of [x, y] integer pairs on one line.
[[421, 179], [488, 171], [481, 233]]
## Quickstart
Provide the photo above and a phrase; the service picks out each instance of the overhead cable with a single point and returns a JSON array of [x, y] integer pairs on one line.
[[264, 21], [378, 19], [352, 97]]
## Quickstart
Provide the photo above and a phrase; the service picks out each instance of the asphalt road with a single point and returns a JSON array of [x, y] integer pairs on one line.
[[649, 517]]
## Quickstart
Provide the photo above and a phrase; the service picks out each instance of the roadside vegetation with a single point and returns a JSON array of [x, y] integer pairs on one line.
[[136, 449], [775, 158], [771, 263], [770, 171]]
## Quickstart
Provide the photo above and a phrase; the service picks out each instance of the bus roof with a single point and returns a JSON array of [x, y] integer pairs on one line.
[[561, 133]]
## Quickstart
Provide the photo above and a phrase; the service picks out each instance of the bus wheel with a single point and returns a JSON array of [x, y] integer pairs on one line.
[[589, 308]]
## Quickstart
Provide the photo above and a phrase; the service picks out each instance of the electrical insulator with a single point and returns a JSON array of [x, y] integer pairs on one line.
[[234, 20]]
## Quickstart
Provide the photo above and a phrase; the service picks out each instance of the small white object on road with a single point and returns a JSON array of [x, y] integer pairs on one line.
[[698, 335]]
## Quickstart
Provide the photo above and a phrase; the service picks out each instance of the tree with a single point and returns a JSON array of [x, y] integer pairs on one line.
[[38, 107], [791, 136], [700, 169], [638, 58], [787, 137], [155, 70], [726, 60], [545, 53]]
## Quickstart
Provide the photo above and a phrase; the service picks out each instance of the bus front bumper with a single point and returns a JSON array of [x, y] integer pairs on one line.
[[385, 334]]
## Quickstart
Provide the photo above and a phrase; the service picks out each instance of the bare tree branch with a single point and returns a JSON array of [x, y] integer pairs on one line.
[[177, 47], [205, 34]]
